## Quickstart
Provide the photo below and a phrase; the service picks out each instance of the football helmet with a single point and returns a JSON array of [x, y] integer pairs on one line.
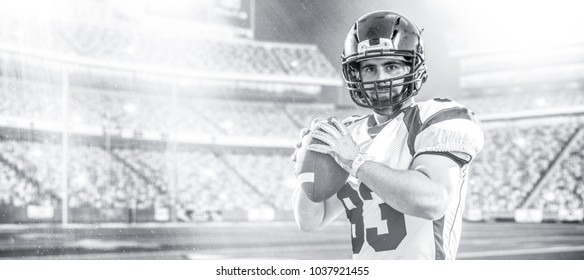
[[390, 35]]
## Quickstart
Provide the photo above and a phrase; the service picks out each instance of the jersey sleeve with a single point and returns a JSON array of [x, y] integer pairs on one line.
[[453, 130]]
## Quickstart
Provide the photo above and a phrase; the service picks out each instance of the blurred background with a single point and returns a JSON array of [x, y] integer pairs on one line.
[[163, 129]]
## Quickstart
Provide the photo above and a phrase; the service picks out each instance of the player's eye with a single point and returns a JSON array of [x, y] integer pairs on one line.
[[369, 70], [392, 67]]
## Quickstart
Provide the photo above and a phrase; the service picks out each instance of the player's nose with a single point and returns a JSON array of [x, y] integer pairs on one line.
[[383, 75]]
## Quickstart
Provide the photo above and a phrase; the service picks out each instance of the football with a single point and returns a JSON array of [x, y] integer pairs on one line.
[[320, 175]]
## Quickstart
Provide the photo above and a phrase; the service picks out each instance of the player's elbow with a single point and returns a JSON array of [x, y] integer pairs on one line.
[[308, 221], [433, 214], [436, 208]]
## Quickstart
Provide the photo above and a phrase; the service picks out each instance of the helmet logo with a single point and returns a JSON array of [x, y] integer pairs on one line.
[[375, 44]]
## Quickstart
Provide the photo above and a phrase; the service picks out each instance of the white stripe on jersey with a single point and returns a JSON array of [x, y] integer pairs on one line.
[[452, 234]]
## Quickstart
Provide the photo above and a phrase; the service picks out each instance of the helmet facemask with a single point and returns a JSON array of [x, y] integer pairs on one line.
[[374, 94]]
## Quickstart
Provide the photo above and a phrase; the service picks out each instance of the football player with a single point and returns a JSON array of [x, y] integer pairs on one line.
[[408, 161]]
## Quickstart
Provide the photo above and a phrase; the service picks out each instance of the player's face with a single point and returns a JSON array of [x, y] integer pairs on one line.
[[382, 68]]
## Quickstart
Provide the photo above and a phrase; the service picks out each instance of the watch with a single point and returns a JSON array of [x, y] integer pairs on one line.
[[360, 159]]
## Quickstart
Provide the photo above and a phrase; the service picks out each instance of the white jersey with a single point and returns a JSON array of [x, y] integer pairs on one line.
[[381, 232]]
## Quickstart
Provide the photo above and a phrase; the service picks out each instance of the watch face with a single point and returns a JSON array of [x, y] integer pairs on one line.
[[363, 157], [359, 160]]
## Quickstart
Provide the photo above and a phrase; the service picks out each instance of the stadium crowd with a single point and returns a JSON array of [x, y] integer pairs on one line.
[[534, 100], [197, 181], [565, 189], [140, 110], [514, 159], [32, 175], [129, 43], [137, 179]]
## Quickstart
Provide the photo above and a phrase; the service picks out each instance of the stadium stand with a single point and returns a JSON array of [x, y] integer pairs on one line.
[[124, 42], [242, 118], [527, 100], [127, 179], [30, 100], [270, 174], [208, 183], [565, 189], [304, 61], [514, 158], [32, 177]]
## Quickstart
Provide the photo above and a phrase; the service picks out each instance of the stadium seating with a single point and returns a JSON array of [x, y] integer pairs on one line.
[[304, 62], [32, 172], [124, 42], [565, 189], [514, 158], [200, 180], [144, 111], [530, 101], [30, 100], [270, 174]]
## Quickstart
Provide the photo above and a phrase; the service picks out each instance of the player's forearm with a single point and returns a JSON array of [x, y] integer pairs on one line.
[[308, 215], [312, 216], [408, 191]]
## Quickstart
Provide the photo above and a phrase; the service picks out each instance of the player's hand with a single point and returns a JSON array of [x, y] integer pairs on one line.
[[303, 132], [339, 142]]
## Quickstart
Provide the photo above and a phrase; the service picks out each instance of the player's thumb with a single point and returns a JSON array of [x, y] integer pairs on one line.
[[314, 122]]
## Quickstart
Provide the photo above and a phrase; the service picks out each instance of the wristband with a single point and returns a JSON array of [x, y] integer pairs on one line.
[[360, 159]]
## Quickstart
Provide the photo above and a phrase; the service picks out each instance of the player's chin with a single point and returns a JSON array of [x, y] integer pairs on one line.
[[382, 95]]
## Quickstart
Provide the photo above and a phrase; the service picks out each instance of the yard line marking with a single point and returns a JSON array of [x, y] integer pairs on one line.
[[497, 253]]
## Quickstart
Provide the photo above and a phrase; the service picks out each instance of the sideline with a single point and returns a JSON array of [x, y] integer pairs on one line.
[[152, 225]]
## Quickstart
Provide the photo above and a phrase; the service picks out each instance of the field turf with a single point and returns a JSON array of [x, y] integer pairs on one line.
[[270, 240]]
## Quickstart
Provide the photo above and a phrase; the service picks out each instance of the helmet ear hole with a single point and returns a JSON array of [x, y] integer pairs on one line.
[[424, 74], [354, 72], [417, 85]]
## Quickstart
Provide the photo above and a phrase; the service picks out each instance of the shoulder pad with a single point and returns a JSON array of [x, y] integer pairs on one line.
[[432, 107], [447, 126]]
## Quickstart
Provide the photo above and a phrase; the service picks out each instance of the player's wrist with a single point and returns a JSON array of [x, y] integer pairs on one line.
[[359, 160]]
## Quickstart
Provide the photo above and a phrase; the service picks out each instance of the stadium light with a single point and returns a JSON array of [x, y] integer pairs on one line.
[[130, 108], [520, 141], [41, 8], [518, 24], [540, 102]]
